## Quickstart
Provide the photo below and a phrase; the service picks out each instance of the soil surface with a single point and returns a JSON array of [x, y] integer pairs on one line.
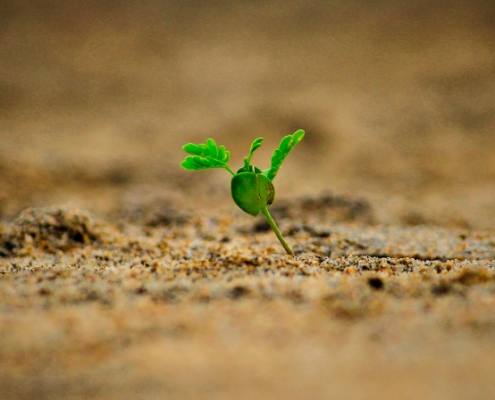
[[123, 276]]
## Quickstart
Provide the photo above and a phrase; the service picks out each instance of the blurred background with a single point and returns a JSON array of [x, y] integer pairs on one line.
[[397, 99]]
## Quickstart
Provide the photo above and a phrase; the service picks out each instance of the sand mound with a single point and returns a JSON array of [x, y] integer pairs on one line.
[[50, 230]]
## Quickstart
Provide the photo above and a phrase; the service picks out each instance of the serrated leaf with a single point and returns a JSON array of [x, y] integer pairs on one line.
[[227, 156]]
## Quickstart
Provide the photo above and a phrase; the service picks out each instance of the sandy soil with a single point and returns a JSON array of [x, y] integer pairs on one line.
[[123, 276]]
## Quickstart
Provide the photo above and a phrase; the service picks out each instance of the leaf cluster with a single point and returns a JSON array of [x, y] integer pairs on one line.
[[209, 155], [205, 156], [247, 160], [278, 156]]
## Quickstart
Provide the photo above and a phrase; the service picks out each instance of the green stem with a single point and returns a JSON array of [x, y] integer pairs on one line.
[[228, 169], [272, 223]]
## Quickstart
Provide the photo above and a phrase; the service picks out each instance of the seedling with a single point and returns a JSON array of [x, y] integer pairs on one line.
[[251, 188]]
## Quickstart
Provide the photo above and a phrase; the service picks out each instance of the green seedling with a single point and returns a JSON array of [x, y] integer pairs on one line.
[[251, 188]]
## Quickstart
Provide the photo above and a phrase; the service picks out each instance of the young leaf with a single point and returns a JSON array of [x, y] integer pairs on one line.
[[192, 148], [192, 163], [221, 153], [284, 143], [206, 156], [256, 144], [278, 157], [204, 149], [212, 147]]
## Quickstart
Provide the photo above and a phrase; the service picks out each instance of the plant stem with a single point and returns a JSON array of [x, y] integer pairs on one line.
[[272, 223], [228, 169]]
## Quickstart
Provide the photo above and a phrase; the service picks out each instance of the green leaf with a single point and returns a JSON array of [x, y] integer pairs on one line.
[[278, 157], [212, 148], [221, 153], [284, 144], [202, 161], [206, 155], [191, 163], [191, 148], [256, 144], [295, 138], [204, 149]]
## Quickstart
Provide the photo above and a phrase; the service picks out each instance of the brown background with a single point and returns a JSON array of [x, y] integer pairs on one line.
[[397, 98]]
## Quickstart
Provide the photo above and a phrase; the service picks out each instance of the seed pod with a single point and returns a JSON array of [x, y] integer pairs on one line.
[[252, 191]]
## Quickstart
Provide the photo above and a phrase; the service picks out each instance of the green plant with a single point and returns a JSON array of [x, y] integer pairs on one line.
[[251, 188]]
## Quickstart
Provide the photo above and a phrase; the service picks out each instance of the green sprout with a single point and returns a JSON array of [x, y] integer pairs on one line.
[[251, 188]]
